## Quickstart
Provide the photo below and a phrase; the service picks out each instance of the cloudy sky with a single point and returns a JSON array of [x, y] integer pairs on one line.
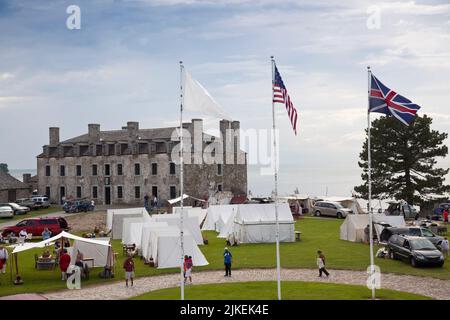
[[123, 65]]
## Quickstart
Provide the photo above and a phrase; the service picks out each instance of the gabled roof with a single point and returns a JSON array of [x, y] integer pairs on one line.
[[7, 181]]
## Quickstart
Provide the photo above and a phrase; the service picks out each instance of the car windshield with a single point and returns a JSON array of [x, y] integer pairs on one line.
[[338, 205], [14, 205], [427, 233], [414, 232], [422, 244]]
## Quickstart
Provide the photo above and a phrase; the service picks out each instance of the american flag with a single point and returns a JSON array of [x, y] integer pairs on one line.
[[280, 95]]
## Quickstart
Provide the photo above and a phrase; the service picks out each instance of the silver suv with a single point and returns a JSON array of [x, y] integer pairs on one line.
[[40, 201], [330, 208]]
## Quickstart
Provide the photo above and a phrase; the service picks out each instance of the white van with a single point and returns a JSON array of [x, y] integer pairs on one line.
[[41, 201]]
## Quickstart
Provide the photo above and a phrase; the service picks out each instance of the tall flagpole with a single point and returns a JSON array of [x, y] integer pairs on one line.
[[276, 184], [369, 182], [181, 182]]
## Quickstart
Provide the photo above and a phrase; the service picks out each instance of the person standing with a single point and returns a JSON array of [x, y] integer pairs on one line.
[[187, 269], [445, 215], [64, 262], [128, 265], [321, 264], [227, 257], [146, 202], [367, 234], [445, 247], [3, 259], [46, 234]]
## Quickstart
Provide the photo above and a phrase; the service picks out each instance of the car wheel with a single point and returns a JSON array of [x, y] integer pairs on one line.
[[317, 213], [339, 215], [413, 262]]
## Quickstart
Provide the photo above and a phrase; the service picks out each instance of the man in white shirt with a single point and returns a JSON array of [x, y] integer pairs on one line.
[[22, 236], [3, 259], [444, 247]]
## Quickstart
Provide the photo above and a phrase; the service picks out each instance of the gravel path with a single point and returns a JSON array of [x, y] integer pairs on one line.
[[434, 288]]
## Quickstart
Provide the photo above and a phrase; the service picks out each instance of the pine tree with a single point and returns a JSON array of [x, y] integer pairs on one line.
[[403, 160]]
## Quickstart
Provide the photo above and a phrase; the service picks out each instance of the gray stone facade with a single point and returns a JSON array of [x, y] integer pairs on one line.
[[66, 169]]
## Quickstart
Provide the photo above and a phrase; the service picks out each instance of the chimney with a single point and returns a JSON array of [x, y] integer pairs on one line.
[[94, 132], [197, 140], [53, 136], [26, 178], [133, 129]]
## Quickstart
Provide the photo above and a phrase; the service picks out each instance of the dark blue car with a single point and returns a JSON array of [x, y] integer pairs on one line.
[[78, 206]]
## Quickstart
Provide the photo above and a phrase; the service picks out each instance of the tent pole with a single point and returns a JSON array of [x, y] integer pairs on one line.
[[369, 182], [181, 183], [276, 185]]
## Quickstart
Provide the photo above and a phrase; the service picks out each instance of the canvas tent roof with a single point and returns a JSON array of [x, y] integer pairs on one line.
[[145, 235], [258, 212], [189, 223], [218, 215], [352, 229], [129, 232], [114, 219], [198, 212]]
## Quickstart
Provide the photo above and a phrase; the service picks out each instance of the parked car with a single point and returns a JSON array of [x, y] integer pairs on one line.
[[416, 250], [330, 208], [412, 231], [397, 208], [78, 206], [37, 225], [18, 209], [6, 212], [43, 202], [28, 202]]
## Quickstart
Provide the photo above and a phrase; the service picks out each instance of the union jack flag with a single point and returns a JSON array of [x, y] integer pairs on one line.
[[280, 95], [387, 101]]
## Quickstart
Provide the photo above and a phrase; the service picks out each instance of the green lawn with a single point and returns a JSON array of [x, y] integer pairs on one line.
[[317, 234], [32, 213], [291, 290]]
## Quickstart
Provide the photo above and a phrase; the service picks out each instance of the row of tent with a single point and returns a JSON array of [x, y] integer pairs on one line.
[[158, 237], [352, 229]]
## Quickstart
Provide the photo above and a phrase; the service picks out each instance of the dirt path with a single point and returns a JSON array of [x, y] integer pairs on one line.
[[434, 288]]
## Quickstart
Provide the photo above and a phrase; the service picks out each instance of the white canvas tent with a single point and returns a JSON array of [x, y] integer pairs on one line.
[[114, 219], [147, 228], [352, 229], [189, 223], [217, 216], [165, 248], [127, 231], [197, 212], [256, 223]]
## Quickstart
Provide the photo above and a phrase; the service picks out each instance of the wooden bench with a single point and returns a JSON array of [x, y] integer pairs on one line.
[[297, 235]]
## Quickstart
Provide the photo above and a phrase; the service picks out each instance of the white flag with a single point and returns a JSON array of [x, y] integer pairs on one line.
[[197, 99]]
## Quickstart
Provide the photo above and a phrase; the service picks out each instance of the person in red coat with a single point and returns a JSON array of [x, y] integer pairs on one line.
[[64, 262], [445, 214]]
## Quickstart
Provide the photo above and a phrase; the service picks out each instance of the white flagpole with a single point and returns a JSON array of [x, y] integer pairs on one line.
[[369, 182], [181, 181], [276, 184]]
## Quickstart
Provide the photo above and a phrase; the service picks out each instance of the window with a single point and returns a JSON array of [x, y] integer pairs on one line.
[[155, 191], [62, 170], [94, 169], [47, 191], [172, 168], [78, 192], [219, 187], [173, 192], [154, 169], [47, 171], [219, 169], [137, 169], [95, 192], [78, 171], [137, 192], [107, 170], [119, 192], [119, 170]]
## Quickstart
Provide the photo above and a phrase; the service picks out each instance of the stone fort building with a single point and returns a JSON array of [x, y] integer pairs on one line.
[[122, 166]]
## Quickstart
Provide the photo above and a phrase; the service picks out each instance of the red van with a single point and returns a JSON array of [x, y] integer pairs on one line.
[[37, 225]]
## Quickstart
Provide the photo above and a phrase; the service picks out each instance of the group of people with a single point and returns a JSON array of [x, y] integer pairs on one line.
[[153, 204]]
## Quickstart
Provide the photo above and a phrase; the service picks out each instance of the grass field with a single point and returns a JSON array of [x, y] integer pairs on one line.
[[317, 234], [292, 290]]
